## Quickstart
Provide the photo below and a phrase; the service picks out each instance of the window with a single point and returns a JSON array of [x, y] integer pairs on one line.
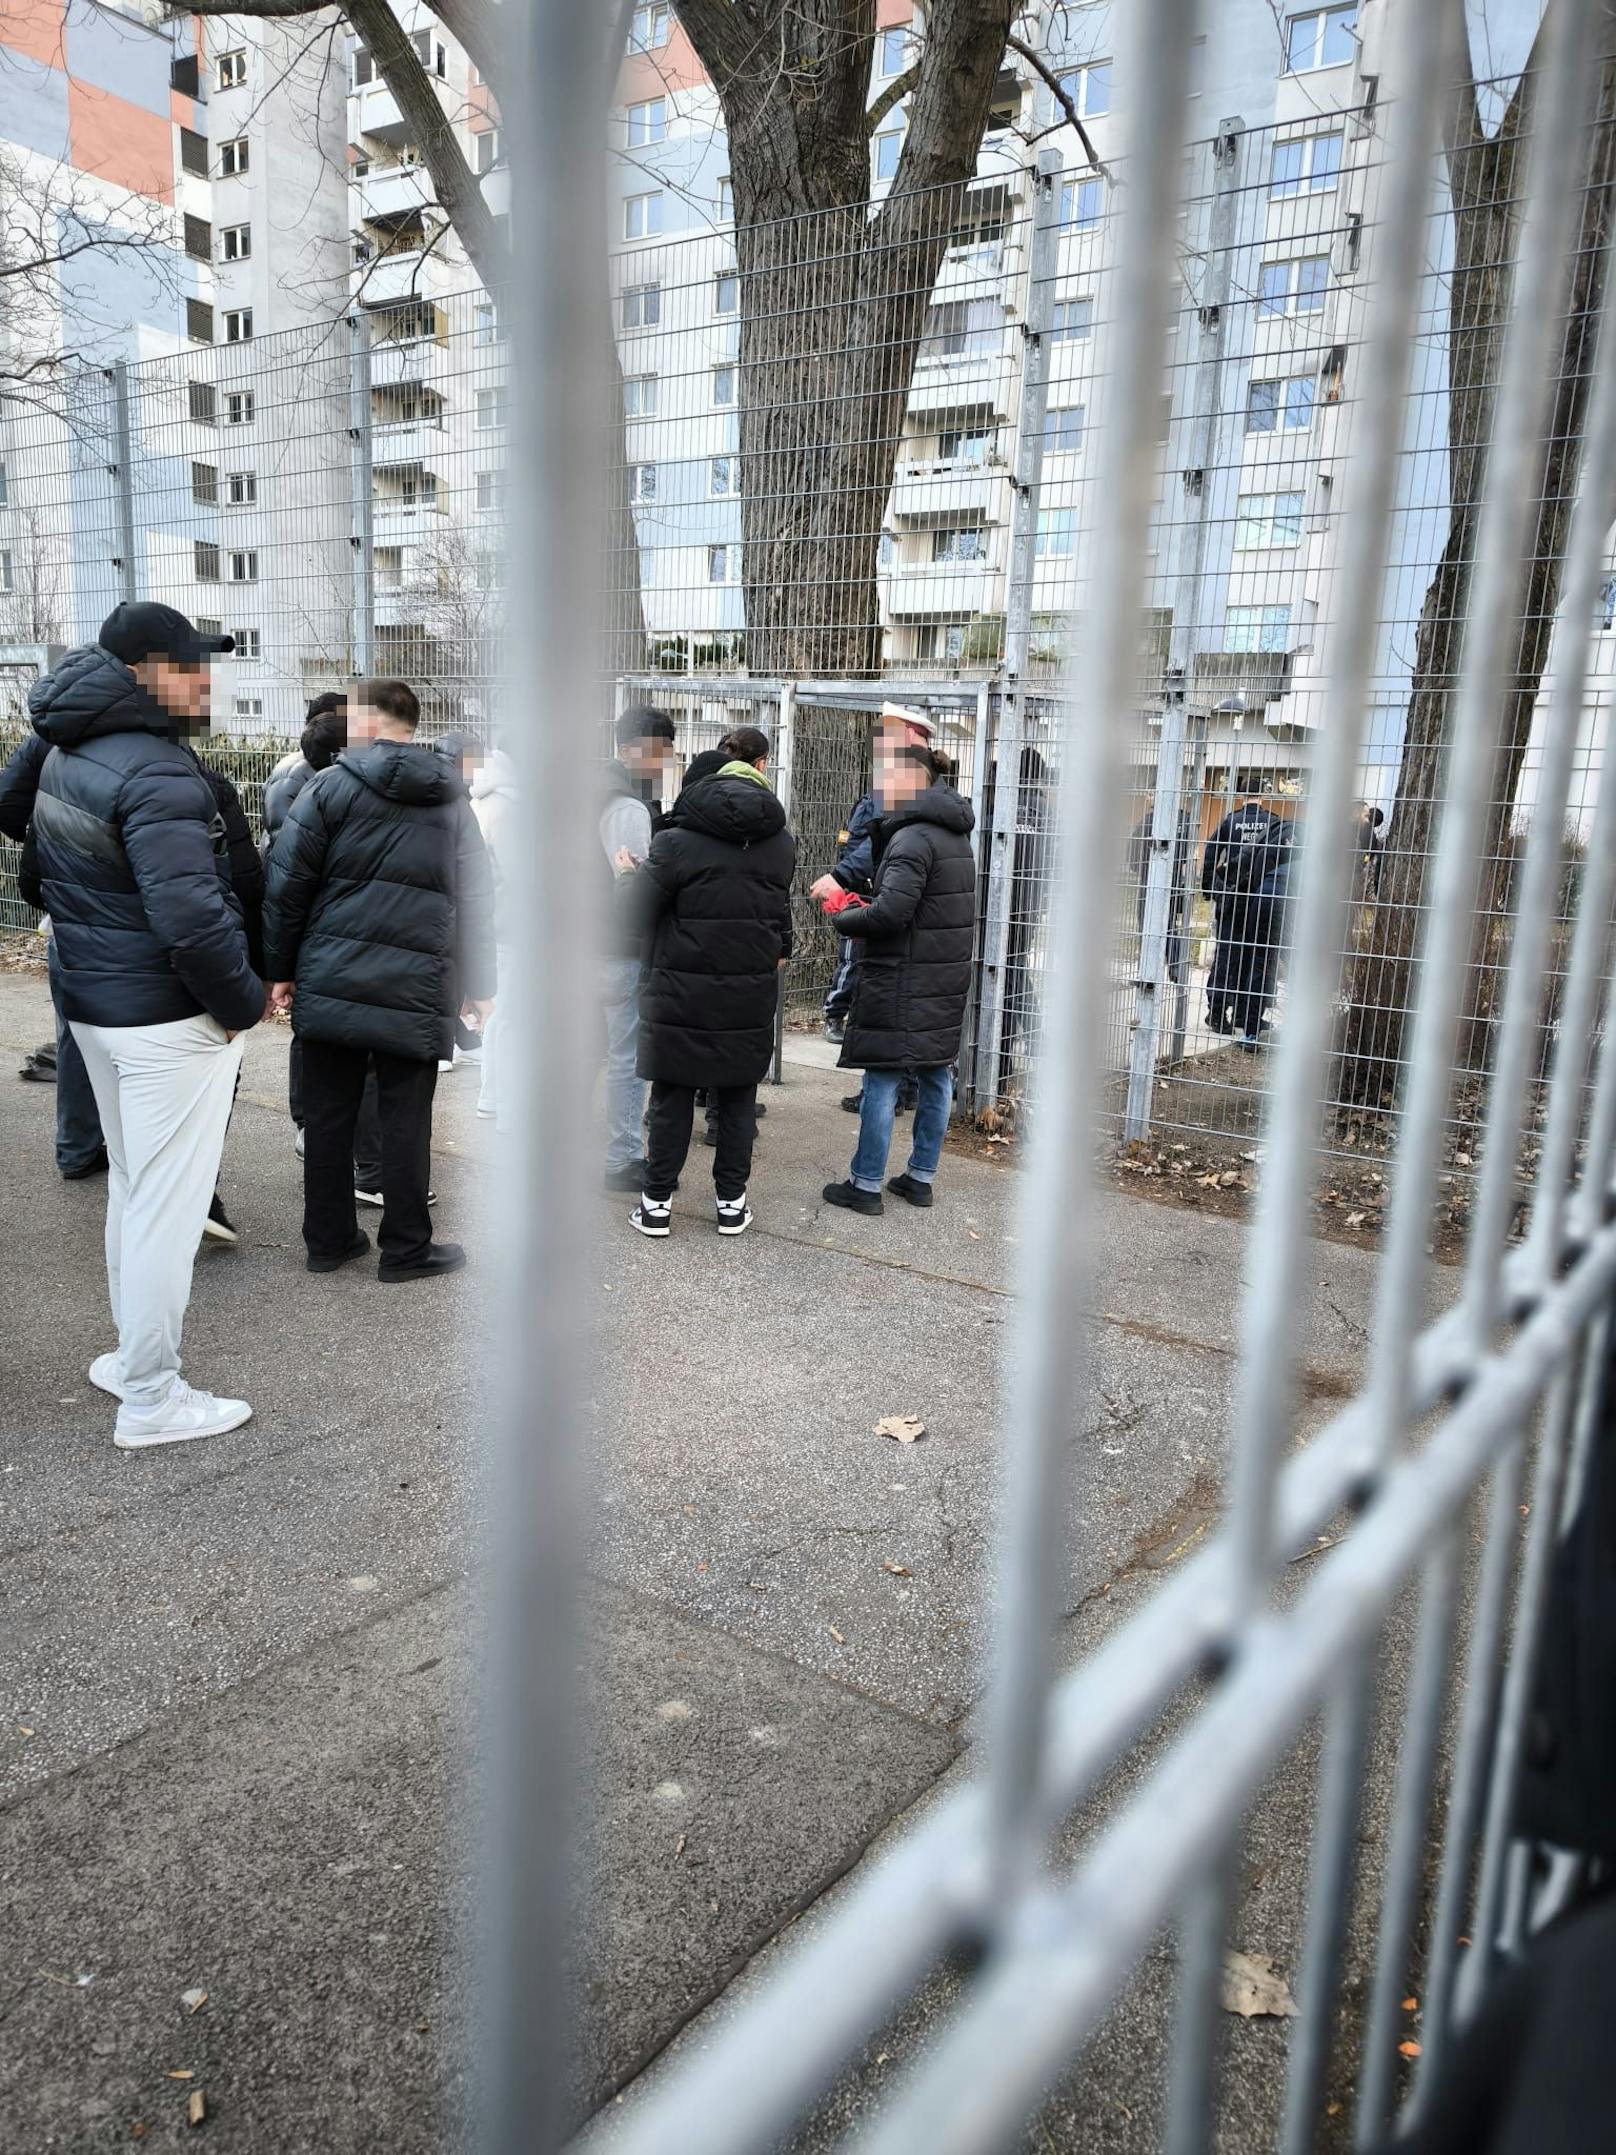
[[234, 157], [5, 484], [723, 564], [237, 325], [1606, 608], [943, 640], [241, 407], [193, 152], [892, 51], [205, 627], [1063, 428], [965, 445], [1267, 520], [1295, 287], [490, 411], [244, 565], [231, 71], [726, 201], [1082, 204], [241, 488], [888, 145], [726, 292], [650, 29], [206, 559], [642, 482], [235, 242], [648, 123], [1306, 165], [639, 396], [642, 216], [642, 306], [485, 323], [723, 386], [490, 490], [364, 68], [5, 569], [1281, 406], [886, 551], [1054, 534], [488, 149], [185, 75], [958, 328], [1089, 88], [962, 542], [433, 58], [199, 321], [199, 239], [249, 643], [1073, 320], [389, 568], [248, 706], [202, 399], [1256, 628], [1320, 37], [723, 478], [204, 482]]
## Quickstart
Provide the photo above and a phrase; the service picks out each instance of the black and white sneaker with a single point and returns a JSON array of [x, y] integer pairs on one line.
[[217, 1227], [653, 1217], [734, 1215]]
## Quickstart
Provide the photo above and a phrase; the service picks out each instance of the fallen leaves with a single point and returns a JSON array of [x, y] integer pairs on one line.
[[1410, 2049], [906, 1428], [196, 2109], [181, 2072], [1254, 1988], [898, 1571], [193, 2000], [835, 1634]]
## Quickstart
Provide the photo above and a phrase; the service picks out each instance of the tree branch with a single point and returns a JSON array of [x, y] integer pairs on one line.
[[1041, 68], [721, 39], [897, 89]]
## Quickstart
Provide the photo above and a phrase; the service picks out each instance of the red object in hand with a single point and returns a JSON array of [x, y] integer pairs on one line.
[[840, 900]]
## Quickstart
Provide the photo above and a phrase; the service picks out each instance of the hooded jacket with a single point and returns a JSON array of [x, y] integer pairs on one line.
[[132, 857], [379, 903], [714, 897], [493, 802], [281, 789], [915, 938]]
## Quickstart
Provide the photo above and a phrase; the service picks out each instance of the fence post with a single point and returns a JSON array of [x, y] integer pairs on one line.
[[968, 1094], [122, 473], [785, 750], [1202, 462], [363, 538], [1011, 735]]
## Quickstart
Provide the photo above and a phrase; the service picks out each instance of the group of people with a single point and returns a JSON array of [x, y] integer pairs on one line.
[[700, 899], [369, 918]]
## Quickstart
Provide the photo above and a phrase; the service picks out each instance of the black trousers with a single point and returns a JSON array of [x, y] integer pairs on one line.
[[367, 1157], [333, 1088], [668, 1127]]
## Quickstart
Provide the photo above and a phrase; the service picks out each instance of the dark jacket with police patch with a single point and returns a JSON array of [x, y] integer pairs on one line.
[[915, 940], [132, 857], [380, 903]]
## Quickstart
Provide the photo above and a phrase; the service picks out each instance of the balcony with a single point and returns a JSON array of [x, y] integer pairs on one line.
[[373, 110], [937, 590], [970, 382], [408, 271], [386, 192], [408, 441], [949, 490], [396, 521]]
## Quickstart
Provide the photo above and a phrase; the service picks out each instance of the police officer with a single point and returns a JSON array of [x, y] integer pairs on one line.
[[1244, 871]]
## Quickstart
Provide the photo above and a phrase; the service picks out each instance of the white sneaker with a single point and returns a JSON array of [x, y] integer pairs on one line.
[[184, 1414], [104, 1375], [652, 1217], [734, 1215], [444, 1065], [467, 1055]]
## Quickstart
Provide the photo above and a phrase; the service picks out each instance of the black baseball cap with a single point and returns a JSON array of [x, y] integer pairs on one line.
[[143, 629]]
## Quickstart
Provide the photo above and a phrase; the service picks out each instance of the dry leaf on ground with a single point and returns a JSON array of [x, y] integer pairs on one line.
[[193, 2000], [907, 1428], [1408, 2050], [197, 2107], [898, 1571], [1254, 1988]]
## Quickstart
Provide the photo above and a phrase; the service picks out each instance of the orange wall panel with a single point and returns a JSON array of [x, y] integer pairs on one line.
[[121, 143], [36, 29], [182, 109], [890, 14], [673, 66]]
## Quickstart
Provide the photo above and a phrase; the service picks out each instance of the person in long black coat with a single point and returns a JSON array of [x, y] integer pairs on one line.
[[914, 977], [713, 900]]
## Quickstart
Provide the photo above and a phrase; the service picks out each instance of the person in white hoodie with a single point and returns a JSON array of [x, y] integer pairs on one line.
[[493, 803]]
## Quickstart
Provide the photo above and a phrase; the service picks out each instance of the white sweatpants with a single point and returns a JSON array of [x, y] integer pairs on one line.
[[492, 1094], [164, 1092]]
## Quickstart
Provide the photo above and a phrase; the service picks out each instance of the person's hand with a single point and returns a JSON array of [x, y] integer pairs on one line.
[[280, 996], [780, 964], [475, 1011], [826, 887], [624, 862]]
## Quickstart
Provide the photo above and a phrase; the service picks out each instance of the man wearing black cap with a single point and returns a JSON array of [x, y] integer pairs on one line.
[[156, 979]]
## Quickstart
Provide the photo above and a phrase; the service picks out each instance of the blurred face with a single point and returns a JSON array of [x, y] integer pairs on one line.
[[180, 686], [904, 782], [649, 759], [364, 720]]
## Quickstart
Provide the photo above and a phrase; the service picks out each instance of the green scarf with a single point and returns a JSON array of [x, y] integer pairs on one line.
[[743, 770]]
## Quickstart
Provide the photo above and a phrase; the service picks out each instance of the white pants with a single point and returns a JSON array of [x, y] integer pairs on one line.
[[491, 1095], [164, 1092]]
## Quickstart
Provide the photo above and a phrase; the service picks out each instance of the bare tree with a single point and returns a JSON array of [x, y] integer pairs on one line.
[[33, 582], [1485, 173], [449, 617]]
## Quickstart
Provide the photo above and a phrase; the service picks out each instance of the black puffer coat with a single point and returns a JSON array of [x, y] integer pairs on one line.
[[715, 898], [914, 970], [132, 858], [379, 903]]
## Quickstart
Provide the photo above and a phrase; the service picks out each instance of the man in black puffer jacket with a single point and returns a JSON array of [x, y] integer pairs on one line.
[[380, 906], [155, 978], [714, 895], [914, 977]]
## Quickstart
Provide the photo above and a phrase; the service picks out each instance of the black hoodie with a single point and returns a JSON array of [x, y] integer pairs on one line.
[[715, 899], [132, 857], [915, 939], [379, 902]]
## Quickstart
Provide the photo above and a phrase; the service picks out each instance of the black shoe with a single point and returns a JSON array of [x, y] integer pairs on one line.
[[319, 1262], [440, 1257], [709, 1134], [907, 1101], [217, 1225], [761, 1111], [631, 1177], [97, 1166], [852, 1199], [652, 1218], [1218, 1020], [853, 1102], [912, 1192]]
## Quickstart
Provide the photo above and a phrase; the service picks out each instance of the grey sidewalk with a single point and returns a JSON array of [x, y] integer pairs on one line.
[[235, 1680]]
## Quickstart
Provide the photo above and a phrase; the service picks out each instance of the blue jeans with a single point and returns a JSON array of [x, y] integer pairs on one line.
[[78, 1119], [625, 1090], [935, 1088]]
